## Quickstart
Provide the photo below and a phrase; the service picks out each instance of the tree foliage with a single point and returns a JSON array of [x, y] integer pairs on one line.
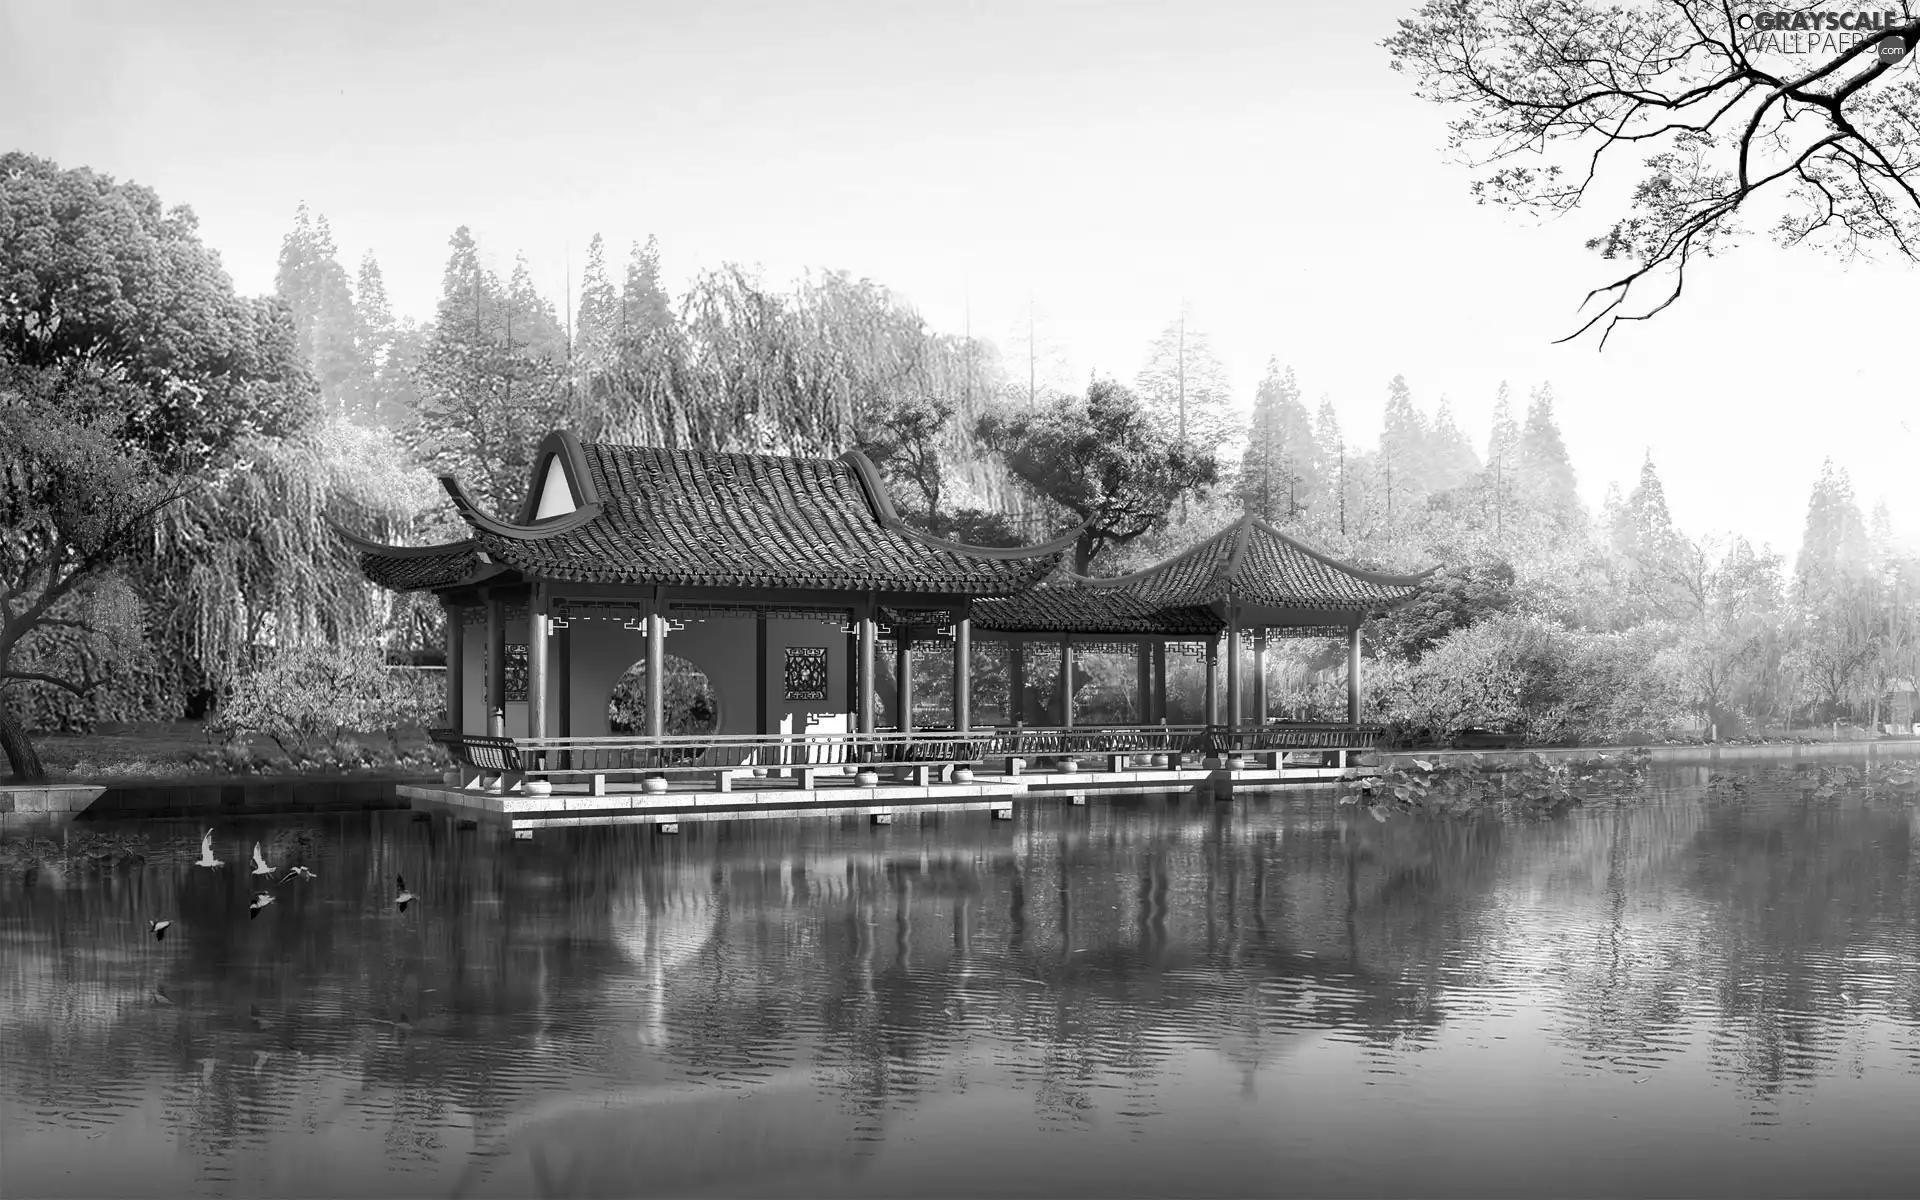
[[1724, 118], [1103, 459]]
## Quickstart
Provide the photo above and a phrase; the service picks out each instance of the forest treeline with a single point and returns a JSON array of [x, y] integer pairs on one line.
[[173, 453]]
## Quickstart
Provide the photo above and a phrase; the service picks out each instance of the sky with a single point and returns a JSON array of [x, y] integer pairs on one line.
[[1258, 161]]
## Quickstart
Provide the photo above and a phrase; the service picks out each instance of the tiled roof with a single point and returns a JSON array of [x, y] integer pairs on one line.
[[693, 518], [1250, 560], [416, 568], [1064, 607]]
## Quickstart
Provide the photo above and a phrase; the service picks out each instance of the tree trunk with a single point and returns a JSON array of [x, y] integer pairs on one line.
[[21, 755]]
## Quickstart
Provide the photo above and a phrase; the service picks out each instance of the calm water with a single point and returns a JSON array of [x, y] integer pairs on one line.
[[1693, 995]]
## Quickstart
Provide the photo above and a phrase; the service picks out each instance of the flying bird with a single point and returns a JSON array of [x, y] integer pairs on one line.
[[260, 866], [159, 929], [260, 901], [206, 852], [404, 897], [298, 873]]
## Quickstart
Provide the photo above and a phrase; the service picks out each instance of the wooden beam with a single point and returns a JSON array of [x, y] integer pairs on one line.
[[456, 666], [1066, 680], [869, 635], [656, 672], [1159, 682], [537, 630], [1352, 676], [903, 680], [1260, 676], [963, 674], [1212, 706], [496, 690], [1143, 683], [763, 701], [1017, 682], [1233, 666]]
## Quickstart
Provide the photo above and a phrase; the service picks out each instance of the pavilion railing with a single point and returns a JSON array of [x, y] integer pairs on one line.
[[707, 753]]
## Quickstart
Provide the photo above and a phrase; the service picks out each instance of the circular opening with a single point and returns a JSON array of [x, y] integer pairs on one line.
[[687, 697]]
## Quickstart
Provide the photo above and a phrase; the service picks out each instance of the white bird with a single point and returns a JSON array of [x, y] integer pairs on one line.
[[260, 901], [298, 873], [206, 852], [260, 866], [405, 897], [159, 929]]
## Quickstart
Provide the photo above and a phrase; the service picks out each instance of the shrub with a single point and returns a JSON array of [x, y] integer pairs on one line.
[[1520, 673], [312, 700]]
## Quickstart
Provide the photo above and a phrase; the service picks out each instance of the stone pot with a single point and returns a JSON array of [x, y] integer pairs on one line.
[[536, 787], [868, 779], [450, 778], [654, 784], [1069, 766], [963, 774]]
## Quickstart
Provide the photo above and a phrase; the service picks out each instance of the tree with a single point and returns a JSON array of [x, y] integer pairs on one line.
[[1184, 386], [313, 285], [1544, 470], [76, 504], [1453, 464], [1402, 463], [1835, 546], [596, 331], [1718, 112], [1330, 467], [389, 349], [103, 269], [1277, 469], [1103, 459], [1037, 365]]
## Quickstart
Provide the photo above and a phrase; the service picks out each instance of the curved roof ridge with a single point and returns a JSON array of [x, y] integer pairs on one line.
[[484, 521], [369, 546], [1171, 560], [1382, 578]]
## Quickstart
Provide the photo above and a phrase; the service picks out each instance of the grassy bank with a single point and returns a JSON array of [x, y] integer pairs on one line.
[[180, 751]]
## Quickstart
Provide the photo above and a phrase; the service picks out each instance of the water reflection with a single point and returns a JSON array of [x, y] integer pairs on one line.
[[1263, 997]]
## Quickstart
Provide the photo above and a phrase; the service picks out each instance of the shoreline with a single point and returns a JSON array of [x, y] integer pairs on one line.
[[211, 796]]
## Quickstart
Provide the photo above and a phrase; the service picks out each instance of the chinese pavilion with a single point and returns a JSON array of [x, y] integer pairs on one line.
[[773, 576]]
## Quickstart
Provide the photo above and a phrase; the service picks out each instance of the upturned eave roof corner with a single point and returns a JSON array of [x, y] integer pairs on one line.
[[881, 500], [533, 531]]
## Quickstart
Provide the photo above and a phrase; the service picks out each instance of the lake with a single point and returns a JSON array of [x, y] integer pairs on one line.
[[1696, 992]]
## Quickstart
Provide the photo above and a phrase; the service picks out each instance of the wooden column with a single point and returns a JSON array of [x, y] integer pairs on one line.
[[1066, 680], [963, 674], [496, 691], [903, 678], [763, 699], [1016, 681], [538, 624], [456, 665], [868, 686], [1260, 676], [656, 672], [1159, 682], [1353, 676], [1143, 683], [1213, 681], [1233, 667]]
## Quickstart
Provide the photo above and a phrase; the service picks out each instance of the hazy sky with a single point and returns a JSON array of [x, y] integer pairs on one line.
[[1259, 159]]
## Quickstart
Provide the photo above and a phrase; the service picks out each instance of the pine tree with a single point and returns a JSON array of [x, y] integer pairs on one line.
[[1401, 465], [1185, 388], [1503, 450], [1277, 471], [1546, 477], [645, 309], [1330, 468], [597, 329], [1454, 463], [535, 324], [1835, 545], [314, 286]]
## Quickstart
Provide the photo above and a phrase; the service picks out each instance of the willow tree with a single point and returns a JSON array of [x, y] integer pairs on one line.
[[262, 567], [1802, 121]]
